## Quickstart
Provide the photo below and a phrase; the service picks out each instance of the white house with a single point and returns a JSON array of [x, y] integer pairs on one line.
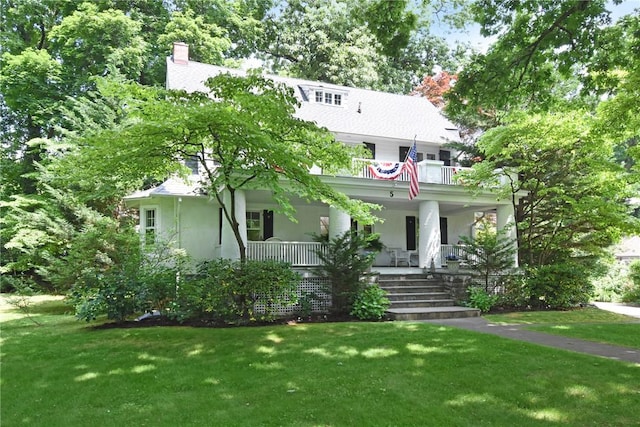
[[416, 232]]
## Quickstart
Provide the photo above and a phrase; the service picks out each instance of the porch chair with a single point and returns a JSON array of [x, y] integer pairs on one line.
[[399, 255]]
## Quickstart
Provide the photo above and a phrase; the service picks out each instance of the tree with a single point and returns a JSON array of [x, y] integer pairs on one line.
[[540, 44], [574, 205], [242, 132], [373, 44], [433, 88], [489, 253]]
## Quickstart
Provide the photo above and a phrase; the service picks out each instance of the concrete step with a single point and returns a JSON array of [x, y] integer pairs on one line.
[[412, 296], [428, 313], [413, 288], [421, 303]]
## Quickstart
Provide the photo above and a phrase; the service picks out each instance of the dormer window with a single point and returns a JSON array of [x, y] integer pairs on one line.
[[323, 96], [192, 162]]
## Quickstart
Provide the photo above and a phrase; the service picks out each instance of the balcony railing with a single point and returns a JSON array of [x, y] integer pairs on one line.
[[429, 171]]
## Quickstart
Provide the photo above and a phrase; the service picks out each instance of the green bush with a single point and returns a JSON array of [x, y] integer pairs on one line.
[[479, 298], [345, 263], [229, 291], [127, 283], [514, 292], [370, 303], [559, 286], [631, 293]]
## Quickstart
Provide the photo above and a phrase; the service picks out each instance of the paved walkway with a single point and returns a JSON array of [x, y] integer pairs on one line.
[[516, 332]]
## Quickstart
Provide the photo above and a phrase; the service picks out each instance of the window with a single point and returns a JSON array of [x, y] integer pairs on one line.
[[405, 150], [149, 222], [324, 226], [371, 147], [254, 226], [431, 156], [192, 163], [327, 97]]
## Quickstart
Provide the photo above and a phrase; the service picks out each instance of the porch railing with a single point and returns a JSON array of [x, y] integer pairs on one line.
[[453, 250], [304, 254], [298, 254]]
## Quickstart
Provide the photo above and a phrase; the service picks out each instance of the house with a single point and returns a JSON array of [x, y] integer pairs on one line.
[[419, 232]]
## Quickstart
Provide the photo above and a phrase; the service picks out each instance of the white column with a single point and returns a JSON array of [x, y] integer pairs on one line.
[[229, 247], [505, 220], [429, 244], [339, 222]]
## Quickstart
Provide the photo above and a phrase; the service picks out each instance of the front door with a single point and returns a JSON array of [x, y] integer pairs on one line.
[[411, 233]]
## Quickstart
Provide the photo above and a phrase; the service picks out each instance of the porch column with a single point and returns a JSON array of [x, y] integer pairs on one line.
[[429, 243], [339, 222], [505, 220], [229, 247]]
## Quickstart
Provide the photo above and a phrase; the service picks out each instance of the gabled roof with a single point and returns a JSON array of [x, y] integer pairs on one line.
[[363, 112]]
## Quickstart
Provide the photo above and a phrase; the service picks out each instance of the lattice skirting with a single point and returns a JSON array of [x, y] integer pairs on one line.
[[314, 288]]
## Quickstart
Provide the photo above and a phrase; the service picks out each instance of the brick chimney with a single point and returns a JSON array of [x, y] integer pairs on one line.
[[180, 53]]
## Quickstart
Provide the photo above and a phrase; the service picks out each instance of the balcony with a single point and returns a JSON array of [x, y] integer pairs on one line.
[[429, 171]]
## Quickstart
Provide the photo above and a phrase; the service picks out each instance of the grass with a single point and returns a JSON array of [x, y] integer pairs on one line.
[[65, 373], [583, 315], [588, 323]]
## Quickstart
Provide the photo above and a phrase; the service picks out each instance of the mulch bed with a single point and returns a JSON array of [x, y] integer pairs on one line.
[[157, 321]]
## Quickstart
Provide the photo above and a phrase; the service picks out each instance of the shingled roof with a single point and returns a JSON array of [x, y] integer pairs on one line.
[[364, 113]]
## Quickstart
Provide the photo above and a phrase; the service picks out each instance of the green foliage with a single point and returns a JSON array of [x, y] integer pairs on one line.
[[489, 253], [539, 47], [121, 281], [370, 303], [576, 195], [559, 286], [632, 293], [513, 292], [207, 41], [609, 287], [234, 292], [481, 299], [345, 262]]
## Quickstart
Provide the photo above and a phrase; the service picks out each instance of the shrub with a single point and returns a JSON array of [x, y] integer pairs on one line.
[[344, 263], [559, 286], [370, 303], [481, 299], [489, 253], [229, 291], [123, 286], [631, 293], [514, 292]]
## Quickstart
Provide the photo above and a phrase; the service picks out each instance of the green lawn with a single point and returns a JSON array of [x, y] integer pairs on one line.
[[65, 373], [590, 324]]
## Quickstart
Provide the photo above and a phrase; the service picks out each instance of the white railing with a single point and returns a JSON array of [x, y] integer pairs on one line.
[[439, 175], [365, 170], [449, 172], [454, 250], [298, 254], [304, 254]]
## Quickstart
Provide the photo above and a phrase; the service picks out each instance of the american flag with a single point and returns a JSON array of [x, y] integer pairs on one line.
[[411, 164]]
